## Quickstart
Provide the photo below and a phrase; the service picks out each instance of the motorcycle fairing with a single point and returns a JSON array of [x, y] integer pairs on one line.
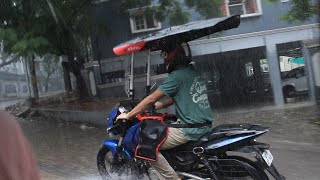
[[224, 135], [153, 133], [111, 118], [112, 144], [131, 139], [226, 141]]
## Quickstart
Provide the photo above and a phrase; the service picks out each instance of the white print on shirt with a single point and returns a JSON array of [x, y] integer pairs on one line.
[[198, 92]]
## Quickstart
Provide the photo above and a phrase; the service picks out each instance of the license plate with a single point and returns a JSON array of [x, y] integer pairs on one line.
[[267, 156]]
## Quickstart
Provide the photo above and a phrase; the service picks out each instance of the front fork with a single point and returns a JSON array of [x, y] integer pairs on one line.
[[113, 146], [120, 153]]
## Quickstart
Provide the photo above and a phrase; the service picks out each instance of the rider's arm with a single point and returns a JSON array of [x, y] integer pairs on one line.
[[167, 102], [145, 104]]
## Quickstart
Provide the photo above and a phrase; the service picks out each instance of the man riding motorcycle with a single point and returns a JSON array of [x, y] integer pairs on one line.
[[187, 91]]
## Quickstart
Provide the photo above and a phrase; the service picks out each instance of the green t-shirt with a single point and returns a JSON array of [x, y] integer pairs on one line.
[[189, 93]]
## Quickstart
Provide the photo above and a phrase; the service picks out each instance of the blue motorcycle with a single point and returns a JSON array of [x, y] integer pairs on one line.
[[229, 151], [226, 152]]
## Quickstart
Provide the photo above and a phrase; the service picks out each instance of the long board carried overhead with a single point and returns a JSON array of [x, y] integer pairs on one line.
[[177, 34]]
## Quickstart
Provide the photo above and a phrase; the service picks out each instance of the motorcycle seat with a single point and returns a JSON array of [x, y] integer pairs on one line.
[[223, 131], [219, 132]]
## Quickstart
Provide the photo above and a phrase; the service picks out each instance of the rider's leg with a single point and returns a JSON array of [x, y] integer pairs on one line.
[[165, 172]]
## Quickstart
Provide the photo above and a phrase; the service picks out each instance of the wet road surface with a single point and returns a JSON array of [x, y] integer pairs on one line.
[[68, 151], [294, 137], [64, 150]]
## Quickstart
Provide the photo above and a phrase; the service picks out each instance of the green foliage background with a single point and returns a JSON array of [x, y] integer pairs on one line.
[[301, 10]]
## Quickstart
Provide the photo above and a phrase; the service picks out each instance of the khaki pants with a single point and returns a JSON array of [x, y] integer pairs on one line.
[[164, 171]]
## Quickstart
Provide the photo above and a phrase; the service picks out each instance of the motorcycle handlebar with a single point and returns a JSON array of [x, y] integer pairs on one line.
[[120, 122], [113, 127]]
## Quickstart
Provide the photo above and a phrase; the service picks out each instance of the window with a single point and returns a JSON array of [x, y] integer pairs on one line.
[[24, 89], [10, 88], [41, 67], [236, 7], [264, 65], [249, 69], [245, 8], [141, 22]]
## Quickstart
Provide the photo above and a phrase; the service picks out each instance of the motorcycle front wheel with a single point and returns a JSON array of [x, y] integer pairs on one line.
[[110, 168]]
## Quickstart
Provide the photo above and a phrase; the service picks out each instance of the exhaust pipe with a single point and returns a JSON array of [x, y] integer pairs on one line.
[[184, 174]]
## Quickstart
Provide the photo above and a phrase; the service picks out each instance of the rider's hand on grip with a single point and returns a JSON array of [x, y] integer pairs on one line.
[[119, 122], [122, 121], [122, 116]]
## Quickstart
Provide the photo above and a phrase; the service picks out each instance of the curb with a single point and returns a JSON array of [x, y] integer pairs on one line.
[[92, 117], [267, 108], [12, 99], [99, 117]]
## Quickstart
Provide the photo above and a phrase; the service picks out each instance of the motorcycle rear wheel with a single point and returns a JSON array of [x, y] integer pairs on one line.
[[256, 172]]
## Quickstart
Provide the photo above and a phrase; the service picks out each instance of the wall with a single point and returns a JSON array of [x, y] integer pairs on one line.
[[12, 85], [14, 68], [109, 14], [316, 71]]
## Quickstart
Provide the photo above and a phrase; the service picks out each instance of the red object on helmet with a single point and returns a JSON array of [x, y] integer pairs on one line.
[[170, 56]]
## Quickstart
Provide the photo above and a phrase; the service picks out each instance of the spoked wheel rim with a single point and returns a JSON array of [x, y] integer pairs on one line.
[[103, 162], [107, 167], [256, 172], [109, 170]]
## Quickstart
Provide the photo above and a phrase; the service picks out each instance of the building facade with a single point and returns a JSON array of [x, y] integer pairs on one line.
[[243, 65], [13, 81]]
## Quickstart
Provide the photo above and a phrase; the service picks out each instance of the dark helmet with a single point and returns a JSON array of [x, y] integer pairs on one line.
[[180, 56]]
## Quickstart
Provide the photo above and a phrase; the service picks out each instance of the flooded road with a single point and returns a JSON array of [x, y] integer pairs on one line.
[[64, 150], [68, 151]]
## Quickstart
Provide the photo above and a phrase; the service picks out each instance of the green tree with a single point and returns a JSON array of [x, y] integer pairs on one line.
[[6, 59], [21, 35], [206, 8], [56, 27], [172, 9], [69, 31], [178, 16], [301, 10]]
